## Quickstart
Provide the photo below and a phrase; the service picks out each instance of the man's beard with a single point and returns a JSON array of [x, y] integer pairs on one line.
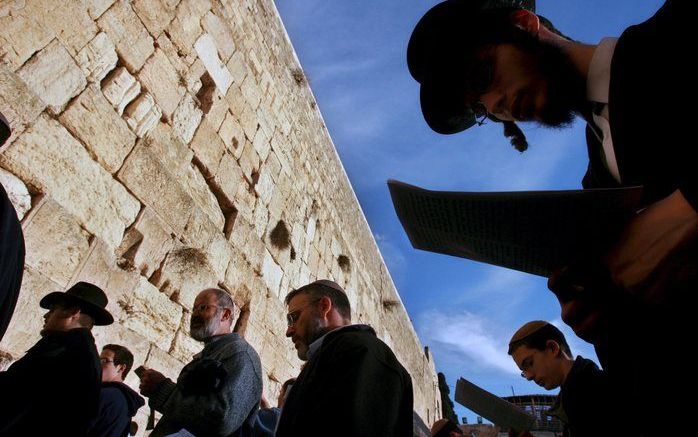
[[315, 331], [565, 87], [205, 329]]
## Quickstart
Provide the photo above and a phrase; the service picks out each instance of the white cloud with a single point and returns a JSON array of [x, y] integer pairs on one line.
[[467, 337]]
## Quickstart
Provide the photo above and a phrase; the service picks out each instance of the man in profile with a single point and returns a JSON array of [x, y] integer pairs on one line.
[[54, 388], [218, 392], [541, 351], [352, 383], [118, 402]]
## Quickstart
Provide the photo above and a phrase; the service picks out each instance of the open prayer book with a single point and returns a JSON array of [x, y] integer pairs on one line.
[[493, 408], [531, 231]]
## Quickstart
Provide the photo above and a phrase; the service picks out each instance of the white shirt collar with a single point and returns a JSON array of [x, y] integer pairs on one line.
[[599, 75]]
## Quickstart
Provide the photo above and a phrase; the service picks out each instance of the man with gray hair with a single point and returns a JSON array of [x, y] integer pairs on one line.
[[218, 392], [352, 383]]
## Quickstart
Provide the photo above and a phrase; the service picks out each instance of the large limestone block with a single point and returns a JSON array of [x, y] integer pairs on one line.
[[67, 19], [142, 114], [163, 362], [150, 313], [184, 274], [198, 189], [219, 29], [146, 242], [271, 273], [251, 92], [201, 233], [17, 192], [184, 347], [120, 88], [208, 148], [162, 81], [48, 158], [186, 118], [55, 243], [172, 151], [229, 178], [91, 119], [232, 134], [97, 58], [27, 319], [237, 65], [21, 35], [208, 53], [155, 14], [18, 103], [185, 28], [133, 43], [97, 7], [150, 179], [53, 75], [265, 186]]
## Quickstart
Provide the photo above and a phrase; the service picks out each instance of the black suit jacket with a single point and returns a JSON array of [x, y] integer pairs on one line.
[[353, 386]]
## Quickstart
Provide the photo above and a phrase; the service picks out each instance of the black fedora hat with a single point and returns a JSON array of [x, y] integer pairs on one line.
[[88, 297], [438, 58]]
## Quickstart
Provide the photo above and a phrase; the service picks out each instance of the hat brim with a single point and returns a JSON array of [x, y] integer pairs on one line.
[[101, 316], [444, 110]]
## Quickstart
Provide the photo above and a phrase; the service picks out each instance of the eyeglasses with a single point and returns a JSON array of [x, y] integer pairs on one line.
[[105, 361], [293, 316]]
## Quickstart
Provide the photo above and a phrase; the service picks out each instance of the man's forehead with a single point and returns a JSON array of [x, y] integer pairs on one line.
[[298, 300], [521, 353], [107, 353], [206, 296]]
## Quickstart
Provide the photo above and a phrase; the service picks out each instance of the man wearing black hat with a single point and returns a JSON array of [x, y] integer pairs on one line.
[[54, 388], [352, 383], [496, 59]]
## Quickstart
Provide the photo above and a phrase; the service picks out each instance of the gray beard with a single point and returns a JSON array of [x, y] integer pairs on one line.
[[205, 331]]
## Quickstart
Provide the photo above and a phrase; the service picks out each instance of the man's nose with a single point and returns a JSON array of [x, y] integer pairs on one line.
[[289, 331], [495, 103]]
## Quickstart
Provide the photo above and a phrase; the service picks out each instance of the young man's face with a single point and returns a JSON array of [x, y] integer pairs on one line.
[[535, 83], [111, 372], [542, 367], [59, 318]]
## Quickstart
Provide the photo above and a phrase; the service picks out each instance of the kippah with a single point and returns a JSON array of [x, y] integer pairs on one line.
[[527, 330]]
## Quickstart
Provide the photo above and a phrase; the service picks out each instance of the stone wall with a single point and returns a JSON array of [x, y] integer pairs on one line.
[[164, 146]]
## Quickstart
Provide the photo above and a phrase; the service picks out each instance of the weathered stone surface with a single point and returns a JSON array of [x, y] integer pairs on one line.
[[162, 361], [21, 35], [68, 20], [18, 103], [229, 177], [97, 7], [55, 243], [27, 319], [147, 176], [186, 118], [120, 88], [219, 29], [155, 14], [146, 242], [271, 273], [198, 189], [184, 347], [184, 274], [91, 119], [53, 76], [208, 147], [97, 58], [47, 157], [250, 92], [185, 28], [142, 114], [161, 79], [17, 192], [237, 67], [133, 43], [232, 134], [249, 160], [150, 313], [208, 53], [164, 143], [218, 110], [203, 234], [265, 186]]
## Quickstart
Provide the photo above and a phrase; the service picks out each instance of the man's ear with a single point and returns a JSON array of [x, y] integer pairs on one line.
[[553, 346], [526, 21], [120, 368], [325, 306]]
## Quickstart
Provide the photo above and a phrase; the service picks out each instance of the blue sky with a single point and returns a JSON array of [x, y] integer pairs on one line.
[[353, 54]]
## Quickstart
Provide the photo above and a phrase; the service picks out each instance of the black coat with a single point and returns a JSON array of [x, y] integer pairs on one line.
[[651, 110], [53, 389], [11, 260], [118, 403], [352, 386]]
